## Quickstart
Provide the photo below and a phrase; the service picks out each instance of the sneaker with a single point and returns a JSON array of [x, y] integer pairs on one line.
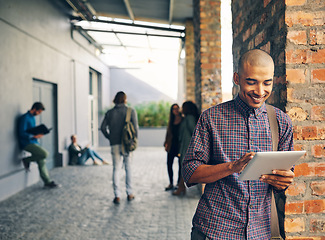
[[97, 163], [169, 187], [116, 200], [105, 162], [26, 164], [131, 197], [52, 185]]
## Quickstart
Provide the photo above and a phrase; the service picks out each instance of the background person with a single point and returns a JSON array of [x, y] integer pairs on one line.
[[79, 155], [224, 141], [171, 144], [29, 143], [112, 127], [191, 115]]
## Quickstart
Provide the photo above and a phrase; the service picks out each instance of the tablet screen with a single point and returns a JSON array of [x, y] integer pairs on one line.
[[265, 162]]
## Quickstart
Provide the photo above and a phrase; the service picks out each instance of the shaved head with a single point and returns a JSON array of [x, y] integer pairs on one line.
[[255, 77], [256, 58]]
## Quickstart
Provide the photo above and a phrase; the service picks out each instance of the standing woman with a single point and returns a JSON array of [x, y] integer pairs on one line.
[[191, 115], [171, 143]]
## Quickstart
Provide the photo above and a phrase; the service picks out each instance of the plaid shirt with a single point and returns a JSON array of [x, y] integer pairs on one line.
[[229, 208]]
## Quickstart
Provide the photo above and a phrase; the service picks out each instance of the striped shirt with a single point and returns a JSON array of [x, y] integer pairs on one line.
[[229, 208]]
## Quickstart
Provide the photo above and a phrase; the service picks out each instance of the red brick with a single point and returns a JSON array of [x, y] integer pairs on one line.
[[318, 151], [294, 224], [266, 47], [299, 147], [297, 114], [321, 133], [296, 189], [317, 37], [309, 133], [247, 34], [296, 56], [317, 56], [304, 18], [318, 75], [259, 38], [296, 75], [317, 225], [313, 37], [294, 207], [263, 19], [266, 2], [318, 113], [295, 2], [320, 36], [304, 169], [315, 206], [320, 169], [297, 37], [318, 188]]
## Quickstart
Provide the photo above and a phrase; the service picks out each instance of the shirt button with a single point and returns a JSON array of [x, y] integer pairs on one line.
[[250, 206]]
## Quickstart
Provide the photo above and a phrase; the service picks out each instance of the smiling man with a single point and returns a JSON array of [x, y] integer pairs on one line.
[[226, 138]]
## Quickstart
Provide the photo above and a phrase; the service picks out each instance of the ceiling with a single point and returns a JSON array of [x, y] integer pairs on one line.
[[131, 31]]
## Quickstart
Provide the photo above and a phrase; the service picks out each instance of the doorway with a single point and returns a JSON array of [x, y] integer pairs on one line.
[[93, 99], [46, 93]]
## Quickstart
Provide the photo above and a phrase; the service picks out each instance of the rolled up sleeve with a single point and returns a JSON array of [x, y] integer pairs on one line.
[[198, 152]]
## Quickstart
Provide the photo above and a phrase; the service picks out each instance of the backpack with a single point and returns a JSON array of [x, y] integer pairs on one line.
[[129, 139]]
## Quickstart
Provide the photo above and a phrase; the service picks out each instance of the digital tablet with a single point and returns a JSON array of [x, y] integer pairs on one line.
[[265, 162]]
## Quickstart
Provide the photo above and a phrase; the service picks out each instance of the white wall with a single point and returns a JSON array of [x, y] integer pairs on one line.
[[36, 43]]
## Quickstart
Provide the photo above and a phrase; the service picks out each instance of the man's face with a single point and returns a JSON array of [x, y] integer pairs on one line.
[[36, 112], [255, 84]]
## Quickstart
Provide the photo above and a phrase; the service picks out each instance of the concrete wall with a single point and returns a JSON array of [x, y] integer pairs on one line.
[[36, 43]]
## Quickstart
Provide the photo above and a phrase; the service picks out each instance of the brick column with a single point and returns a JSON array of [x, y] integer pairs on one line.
[[292, 31], [207, 30], [190, 61]]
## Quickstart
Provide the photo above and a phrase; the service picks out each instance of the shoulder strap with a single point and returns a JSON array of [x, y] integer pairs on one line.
[[274, 127], [128, 115]]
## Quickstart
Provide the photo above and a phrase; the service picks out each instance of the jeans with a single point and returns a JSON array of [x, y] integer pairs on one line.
[[86, 155], [39, 155], [197, 235], [170, 162], [117, 165]]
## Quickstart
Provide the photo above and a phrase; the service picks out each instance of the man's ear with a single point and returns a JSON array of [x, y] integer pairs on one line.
[[236, 78]]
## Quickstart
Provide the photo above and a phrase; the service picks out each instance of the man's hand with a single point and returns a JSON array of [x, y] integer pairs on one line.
[[239, 165], [280, 179]]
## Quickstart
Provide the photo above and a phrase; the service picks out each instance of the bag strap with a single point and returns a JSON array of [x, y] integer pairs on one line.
[[128, 115], [275, 230], [273, 126]]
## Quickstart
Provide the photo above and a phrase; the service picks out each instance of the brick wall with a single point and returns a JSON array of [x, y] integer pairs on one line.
[[305, 76], [292, 31]]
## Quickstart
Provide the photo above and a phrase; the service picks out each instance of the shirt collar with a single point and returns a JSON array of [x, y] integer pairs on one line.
[[120, 105], [246, 110]]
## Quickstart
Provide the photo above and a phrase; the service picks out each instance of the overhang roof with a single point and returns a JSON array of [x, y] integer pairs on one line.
[[124, 27]]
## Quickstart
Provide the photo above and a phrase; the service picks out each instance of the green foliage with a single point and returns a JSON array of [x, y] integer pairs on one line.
[[153, 114]]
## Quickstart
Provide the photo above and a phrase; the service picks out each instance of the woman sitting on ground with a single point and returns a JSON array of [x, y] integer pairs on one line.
[[79, 156]]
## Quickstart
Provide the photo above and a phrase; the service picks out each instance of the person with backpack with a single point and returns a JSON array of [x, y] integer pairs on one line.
[[120, 127]]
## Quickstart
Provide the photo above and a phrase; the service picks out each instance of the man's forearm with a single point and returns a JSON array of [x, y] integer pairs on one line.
[[211, 173]]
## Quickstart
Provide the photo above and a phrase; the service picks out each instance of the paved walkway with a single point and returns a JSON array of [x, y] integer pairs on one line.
[[83, 209]]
